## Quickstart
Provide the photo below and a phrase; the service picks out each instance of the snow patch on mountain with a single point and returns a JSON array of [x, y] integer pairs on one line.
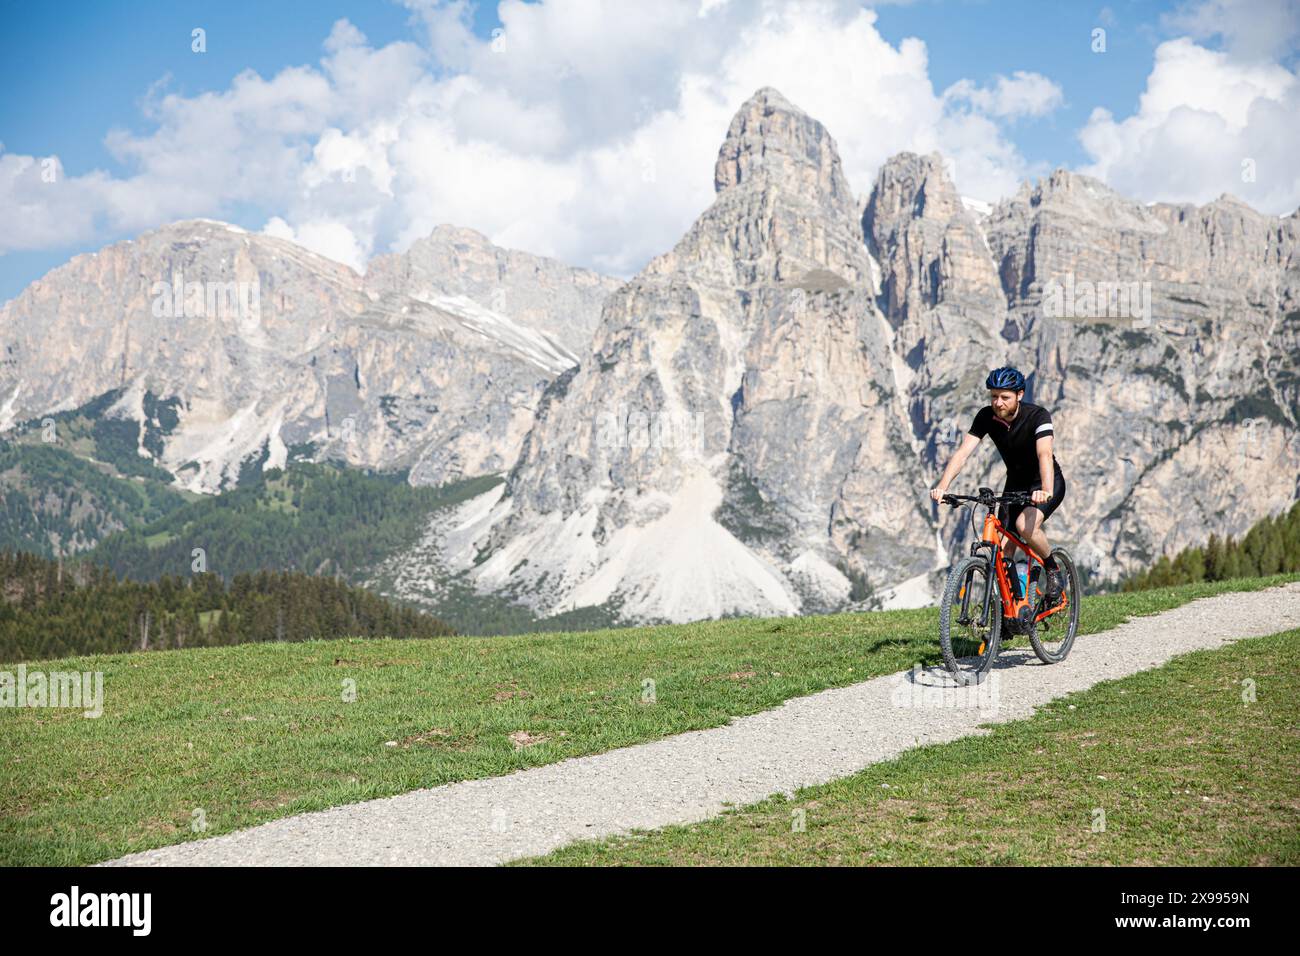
[[7, 409], [537, 347], [902, 372], [229, 226], [875, 273]]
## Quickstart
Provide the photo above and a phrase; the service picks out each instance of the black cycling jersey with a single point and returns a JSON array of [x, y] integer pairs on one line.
[[1018, 441]]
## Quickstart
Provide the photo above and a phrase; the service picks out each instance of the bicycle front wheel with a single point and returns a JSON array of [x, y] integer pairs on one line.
[[970, 620], [1054, 635]]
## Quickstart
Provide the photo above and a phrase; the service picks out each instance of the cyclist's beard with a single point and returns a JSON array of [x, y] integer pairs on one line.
[[1008, 413]]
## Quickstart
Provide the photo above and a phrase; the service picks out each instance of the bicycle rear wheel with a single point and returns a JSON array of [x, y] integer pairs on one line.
[[970, 619], [1054, 635]]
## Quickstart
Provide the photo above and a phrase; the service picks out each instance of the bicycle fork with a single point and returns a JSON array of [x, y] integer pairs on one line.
[[964, 618]]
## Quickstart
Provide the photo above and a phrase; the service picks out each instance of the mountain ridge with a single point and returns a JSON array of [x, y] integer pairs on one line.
[[817, 384], [755, 418], [266, 346]]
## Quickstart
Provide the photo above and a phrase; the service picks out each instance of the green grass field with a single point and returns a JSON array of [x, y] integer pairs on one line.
[[251, 733], [1167, 767]]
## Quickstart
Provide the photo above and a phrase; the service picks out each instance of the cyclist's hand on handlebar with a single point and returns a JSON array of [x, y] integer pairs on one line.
[[1039, 496], [937, 493]]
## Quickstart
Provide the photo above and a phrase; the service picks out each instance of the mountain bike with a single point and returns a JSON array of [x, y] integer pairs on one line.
[[983, 598]]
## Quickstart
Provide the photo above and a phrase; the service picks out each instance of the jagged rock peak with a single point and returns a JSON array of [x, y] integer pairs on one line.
[[1068, 181], [1086, 195], [450, 231], [455, 263], [916, 185], [1228, 201], [1081, 198], [770, 136]]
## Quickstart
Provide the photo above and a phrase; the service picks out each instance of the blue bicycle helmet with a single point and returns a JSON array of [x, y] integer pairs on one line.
[[1005, 377]]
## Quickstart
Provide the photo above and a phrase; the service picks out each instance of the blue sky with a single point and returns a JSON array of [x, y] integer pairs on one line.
[[563, 143], [978, 39]]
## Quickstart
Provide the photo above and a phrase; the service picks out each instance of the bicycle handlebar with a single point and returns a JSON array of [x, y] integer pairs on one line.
[[988, 498]]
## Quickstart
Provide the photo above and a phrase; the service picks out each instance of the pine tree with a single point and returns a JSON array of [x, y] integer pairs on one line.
[[1161, 574], [1189, 566], [1214, 559], [1272, 555], [1234, 566]]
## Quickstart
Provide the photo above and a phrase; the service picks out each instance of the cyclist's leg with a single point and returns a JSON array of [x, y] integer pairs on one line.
[[1055, 580], [1009, 516], [1029, 525], [1017, 518], [1033, 532]]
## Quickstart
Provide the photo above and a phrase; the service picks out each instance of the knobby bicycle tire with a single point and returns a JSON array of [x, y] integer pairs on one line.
[[950, 607], [1069, 619]]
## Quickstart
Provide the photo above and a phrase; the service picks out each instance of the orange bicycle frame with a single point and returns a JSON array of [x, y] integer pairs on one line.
[[997, 535]]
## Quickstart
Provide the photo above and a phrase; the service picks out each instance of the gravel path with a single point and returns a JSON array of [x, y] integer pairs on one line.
[[689, 777]]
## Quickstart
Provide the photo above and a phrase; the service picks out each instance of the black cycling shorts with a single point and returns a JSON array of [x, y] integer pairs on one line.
[[1008, 513]]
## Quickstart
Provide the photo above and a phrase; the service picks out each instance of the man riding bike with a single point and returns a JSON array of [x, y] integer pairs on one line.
[[1022, 433]]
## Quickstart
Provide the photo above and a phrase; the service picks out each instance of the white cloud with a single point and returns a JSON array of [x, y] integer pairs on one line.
[[1250, 29], [44, 209], [585, 130], [1207, 122], [1024, 94], [327, 237]]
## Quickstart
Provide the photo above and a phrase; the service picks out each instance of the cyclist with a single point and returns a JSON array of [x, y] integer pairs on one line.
[[1022, 433]]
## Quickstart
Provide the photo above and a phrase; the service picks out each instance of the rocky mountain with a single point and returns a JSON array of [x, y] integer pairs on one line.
[[738, 440], [748, 426], [1178, 422], [225, 348], [764, 407], [542, 294]]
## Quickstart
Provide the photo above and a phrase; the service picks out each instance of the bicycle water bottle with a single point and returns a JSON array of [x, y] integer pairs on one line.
[[1022, 577]]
